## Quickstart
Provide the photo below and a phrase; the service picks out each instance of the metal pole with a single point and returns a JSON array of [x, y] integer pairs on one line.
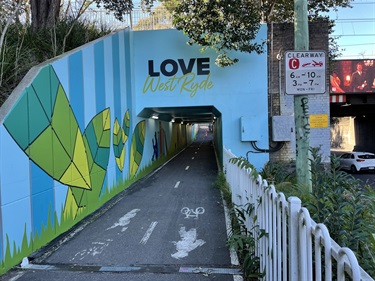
[[301, 102]]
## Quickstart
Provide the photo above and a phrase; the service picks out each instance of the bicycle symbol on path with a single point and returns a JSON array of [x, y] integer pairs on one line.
[[191, 213]]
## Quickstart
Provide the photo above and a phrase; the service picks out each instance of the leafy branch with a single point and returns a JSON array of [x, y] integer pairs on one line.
[[221, 25]]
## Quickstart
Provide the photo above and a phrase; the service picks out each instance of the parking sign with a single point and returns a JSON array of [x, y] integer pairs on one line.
[[305, 72]]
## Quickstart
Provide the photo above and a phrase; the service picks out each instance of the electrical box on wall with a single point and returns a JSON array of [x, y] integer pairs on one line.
[[282, 128], [250, 128]]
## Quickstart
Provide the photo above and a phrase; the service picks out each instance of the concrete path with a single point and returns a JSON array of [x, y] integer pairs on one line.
[[169, 226]]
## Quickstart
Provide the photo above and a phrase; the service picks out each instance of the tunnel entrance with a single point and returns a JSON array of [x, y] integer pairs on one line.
[[186, 114], [352, 126], [207, 117]]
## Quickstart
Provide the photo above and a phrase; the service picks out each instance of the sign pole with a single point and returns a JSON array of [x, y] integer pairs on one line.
[[301, 102]]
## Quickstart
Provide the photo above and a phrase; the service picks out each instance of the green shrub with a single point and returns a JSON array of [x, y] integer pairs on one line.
[[222, 184], [281, 174], [245, 241], [340, 202], [24, 48], [240, 239]]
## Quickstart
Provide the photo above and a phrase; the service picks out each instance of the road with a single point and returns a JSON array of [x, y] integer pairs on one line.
[[366, 178], [169, 226]]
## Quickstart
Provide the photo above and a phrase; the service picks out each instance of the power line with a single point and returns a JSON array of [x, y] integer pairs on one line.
[[360, 29], [354, 35], [359, 44], [355, 20], [362, 3], [358, 56]]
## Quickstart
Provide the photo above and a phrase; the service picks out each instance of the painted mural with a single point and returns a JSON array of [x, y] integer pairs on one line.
[[120, 136], [71, 162], [72, 139], [159, 143], [45, 128]]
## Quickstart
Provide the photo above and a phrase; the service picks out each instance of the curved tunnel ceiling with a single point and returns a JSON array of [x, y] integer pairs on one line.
[[185, 114]]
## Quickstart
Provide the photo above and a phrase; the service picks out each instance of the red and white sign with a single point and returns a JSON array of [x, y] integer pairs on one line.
[[337, 98], [305, 72]]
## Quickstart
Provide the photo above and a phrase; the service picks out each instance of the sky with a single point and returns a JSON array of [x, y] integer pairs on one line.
[[356, 28]]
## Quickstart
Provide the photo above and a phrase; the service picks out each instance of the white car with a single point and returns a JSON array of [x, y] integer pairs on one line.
[[357, 161]]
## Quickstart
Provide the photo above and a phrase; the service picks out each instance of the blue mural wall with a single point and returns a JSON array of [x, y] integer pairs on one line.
[[71, 137], [181, 75]]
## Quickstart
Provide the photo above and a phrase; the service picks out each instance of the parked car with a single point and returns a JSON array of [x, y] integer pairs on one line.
[[357, 161]]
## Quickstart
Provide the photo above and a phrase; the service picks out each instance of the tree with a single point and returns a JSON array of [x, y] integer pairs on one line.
[[21, 48], [170, 5], [77, 13], [9, 11], [232, 24], [44, 13], [221, 25]]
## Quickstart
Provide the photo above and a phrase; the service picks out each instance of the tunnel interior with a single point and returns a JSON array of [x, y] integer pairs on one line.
[[190, 115]]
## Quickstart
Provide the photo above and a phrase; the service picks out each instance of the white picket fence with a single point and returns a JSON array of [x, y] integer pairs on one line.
[[296, 247]]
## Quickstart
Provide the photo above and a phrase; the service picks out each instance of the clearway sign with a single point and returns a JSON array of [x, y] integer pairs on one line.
[[305, 72]]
